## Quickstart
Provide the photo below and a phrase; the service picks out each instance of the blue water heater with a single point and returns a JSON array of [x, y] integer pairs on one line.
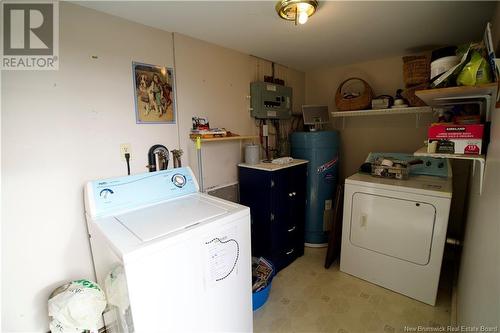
[[321, 149]]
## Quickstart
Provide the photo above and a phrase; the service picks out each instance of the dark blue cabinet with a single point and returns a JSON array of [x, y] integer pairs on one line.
[[276, 198]]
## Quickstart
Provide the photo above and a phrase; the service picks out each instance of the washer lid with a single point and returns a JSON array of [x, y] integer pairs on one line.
[[170, 216]]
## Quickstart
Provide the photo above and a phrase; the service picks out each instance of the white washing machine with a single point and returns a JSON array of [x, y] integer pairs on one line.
[[171, 259], [394, 232]]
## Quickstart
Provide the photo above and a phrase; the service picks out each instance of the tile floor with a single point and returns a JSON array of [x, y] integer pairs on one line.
[[306, 297]]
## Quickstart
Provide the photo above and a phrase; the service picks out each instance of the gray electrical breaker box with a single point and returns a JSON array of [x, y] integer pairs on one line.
[[270, 101]]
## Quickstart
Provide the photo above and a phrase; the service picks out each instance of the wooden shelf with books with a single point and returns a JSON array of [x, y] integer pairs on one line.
[[225, 138]]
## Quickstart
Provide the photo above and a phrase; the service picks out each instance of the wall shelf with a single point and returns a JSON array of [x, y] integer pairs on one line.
[[433, 97], [417, 111], [229, 138], [485, 93], [423, 152], [380, 112], [481, 159]]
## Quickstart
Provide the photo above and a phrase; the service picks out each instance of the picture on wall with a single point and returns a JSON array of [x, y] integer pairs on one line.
[[154, 93]]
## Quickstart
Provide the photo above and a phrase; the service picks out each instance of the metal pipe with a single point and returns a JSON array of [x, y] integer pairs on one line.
[[200, 163]]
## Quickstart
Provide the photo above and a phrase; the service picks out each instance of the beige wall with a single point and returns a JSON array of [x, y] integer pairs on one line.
[[63, 128], [361, 135], [478, 297], [59, 130], [214, 82]]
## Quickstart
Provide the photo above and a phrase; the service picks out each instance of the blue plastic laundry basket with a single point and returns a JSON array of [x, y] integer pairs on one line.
[[260, 297]]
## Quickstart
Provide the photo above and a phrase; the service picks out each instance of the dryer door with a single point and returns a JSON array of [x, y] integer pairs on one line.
[[394, 227]]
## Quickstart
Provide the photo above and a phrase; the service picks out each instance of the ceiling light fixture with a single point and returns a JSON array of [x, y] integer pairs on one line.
[[298, 11]]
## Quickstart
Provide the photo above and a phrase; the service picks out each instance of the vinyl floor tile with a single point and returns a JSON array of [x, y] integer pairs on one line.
[[306, 297]]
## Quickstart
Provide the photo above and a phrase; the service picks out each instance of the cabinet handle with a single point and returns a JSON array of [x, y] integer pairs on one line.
[[364, 220], [272, 217], [272, 183], [291, 229], [290, 252]]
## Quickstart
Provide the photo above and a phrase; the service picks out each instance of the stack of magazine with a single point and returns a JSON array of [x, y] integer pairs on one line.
[[262, 273]]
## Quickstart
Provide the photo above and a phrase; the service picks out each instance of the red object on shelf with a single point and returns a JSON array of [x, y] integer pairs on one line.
[[472, 150], [457, 139], [443, 132]]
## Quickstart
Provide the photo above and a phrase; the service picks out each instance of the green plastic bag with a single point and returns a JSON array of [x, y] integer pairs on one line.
[[476, 71]]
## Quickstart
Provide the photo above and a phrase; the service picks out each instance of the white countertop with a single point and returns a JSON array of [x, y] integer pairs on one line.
[[272, 166]]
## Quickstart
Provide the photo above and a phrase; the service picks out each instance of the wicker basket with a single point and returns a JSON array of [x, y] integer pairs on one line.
[[409, 94], [354, 103], [416, 70]]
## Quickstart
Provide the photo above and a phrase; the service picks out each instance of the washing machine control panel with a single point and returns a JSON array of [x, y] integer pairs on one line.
[[107, 196], [179, 180]]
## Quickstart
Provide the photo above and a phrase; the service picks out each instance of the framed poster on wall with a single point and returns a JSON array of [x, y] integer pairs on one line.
[[154, 94]]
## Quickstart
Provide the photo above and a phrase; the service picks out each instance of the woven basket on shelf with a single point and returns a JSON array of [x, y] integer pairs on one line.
[[409, 94], [416, 70], [360, 102]]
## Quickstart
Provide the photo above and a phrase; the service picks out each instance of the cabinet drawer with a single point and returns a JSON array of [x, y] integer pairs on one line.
[[285, 235], [291, 235], [295, 240], [285, 257]]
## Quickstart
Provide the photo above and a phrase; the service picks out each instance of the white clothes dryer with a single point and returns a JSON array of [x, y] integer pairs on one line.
[[394, 232]]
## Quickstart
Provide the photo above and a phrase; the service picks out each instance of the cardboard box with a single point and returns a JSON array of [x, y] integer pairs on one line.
[[455, 139]]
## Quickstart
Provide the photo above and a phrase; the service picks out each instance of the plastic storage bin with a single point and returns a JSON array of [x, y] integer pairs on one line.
[[260, 297]]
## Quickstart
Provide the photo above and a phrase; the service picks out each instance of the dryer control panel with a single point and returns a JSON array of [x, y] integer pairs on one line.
[[109, 196], [437, 167]]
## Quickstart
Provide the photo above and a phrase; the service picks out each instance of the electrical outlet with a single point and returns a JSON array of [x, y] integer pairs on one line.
[[125, 148]]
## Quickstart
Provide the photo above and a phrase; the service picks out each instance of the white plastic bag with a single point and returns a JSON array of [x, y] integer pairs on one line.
[[115, 285], [76, 306]]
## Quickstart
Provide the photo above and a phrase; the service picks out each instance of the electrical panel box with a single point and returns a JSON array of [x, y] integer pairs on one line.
[[270, 101]]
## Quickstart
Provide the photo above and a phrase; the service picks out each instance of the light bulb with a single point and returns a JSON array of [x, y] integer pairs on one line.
[[303, 17], [303, 7]]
